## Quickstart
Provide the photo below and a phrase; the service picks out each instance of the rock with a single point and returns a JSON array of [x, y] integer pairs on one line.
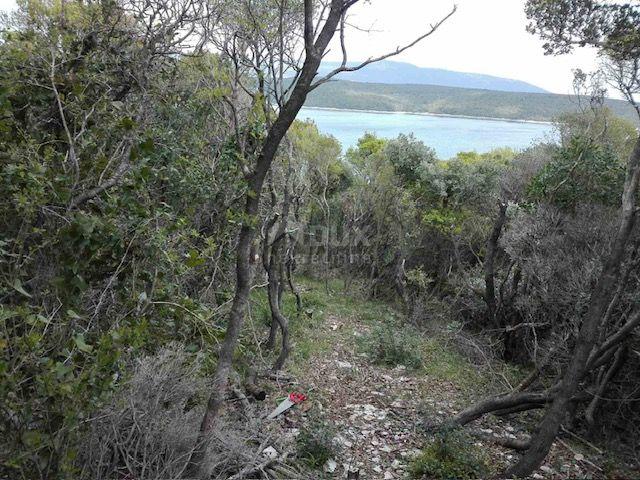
[[330, 466], [270, 453], [388, 476], [579, 457], [343, 441], [344, 365], [537, 476], [377, 469], [547, 469]]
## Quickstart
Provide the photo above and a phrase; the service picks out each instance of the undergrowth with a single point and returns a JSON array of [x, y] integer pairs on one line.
[[450, 455]]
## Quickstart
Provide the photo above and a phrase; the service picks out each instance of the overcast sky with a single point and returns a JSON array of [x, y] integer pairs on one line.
[[483, 36]]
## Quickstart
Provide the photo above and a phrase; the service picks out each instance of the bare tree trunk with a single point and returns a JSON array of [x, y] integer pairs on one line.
[[266, 260], [246, 247], [503, 402], [400, 280], [611, 372], [276, 279], [316, 40], [489, 262], [600, 299], [289, 263]]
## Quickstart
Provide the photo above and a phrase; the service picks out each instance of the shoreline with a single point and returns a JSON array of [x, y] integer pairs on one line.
[[429, 114]]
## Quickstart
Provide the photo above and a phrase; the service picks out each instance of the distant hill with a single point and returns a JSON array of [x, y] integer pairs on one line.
[[451, 101], [405, 73]]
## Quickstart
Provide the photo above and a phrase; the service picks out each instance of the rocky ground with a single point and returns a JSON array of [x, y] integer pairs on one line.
[[379, 414]]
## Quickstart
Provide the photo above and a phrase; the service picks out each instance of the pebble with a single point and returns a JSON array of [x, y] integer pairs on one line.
[[547, 469], [330, 466], [344, 365], [270, 453]]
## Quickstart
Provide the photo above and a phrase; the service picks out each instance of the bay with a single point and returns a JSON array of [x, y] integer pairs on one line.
[[446, 135]]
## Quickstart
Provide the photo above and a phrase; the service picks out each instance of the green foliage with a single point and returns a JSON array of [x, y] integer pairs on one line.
[[581, 172], [368, 145], [409, 157], [86, 287], [451, 101], [603, 125], [315, 443], [444, 220], [450, 455], [391, 344]]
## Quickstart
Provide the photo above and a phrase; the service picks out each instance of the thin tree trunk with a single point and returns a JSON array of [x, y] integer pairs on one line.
[[266, 261], [289, 272], [275, 274], [600, 299], [246, 247], [611, 372], [489, 262]]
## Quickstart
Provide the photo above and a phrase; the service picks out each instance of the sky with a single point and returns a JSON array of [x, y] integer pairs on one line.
[[483, 36]]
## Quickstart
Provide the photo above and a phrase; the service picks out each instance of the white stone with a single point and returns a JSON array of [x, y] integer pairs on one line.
[[330, 466], [270, 453]]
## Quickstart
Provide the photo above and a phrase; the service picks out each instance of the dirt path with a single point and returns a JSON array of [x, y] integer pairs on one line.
[[374, 409], [378, 413]]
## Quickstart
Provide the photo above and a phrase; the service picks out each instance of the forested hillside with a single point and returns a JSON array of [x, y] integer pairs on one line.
[[454, 101], [402, 73], [195, 285]]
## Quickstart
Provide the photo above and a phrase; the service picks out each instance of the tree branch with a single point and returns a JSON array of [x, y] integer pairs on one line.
[[344, 68]]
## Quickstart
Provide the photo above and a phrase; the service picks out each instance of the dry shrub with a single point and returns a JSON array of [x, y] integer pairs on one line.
[[150, 427]]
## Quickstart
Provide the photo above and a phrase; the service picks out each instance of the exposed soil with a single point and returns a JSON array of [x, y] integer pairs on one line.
[[380, 414]]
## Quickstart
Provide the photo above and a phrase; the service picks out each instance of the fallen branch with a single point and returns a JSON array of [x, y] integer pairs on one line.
[[504, 402], [519, 445]]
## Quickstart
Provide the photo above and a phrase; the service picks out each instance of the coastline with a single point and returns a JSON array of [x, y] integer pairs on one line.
[[428, 114]]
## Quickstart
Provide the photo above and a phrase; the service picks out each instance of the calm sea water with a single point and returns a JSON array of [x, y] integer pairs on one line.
[[447, 135]]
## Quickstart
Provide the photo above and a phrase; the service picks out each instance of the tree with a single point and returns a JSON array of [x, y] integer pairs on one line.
[[268, 45], [615, 30]]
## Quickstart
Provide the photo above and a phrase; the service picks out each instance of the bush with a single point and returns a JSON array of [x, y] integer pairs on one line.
[[150, 427], [450, 455], [392, 345], [316, 443]]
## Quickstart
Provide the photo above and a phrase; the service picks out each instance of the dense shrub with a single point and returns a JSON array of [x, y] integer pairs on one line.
[[391, 344], [450, 455], [149, 428], [115, 215]]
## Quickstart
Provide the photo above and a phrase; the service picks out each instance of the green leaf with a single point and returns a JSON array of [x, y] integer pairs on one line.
[[17, 285], [7, 313], [81, 344], [194, 259], [127, 123]]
